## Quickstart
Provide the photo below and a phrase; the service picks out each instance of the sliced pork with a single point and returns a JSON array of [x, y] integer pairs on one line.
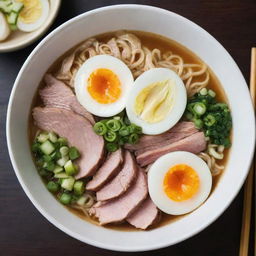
[[106, 171], [194, 143], [178, 132], [121, 182], [146, 215], [120, 208], [78, 131], [57, 94]]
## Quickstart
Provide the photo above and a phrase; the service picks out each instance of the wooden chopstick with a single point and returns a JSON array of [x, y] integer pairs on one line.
[[248, 189]]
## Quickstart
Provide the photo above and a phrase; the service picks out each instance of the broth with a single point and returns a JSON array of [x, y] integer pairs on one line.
[[151, 41]]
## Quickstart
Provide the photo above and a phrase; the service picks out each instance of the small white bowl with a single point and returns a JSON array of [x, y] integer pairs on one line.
[[19, 39], [151, 19]]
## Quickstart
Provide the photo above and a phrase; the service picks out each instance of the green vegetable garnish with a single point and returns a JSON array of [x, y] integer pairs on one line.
[[73, 153], [110, 136], [100, 128], [117, 131], [65, 198], [111, 147], [52, 186], [54, 161], [113, 125], [212, 117]]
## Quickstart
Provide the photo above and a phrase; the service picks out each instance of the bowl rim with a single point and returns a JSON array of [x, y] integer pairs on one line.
[[58, 224], [35, 34]]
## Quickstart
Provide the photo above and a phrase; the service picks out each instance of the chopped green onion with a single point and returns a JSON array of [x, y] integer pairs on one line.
[[68, 183], [209, 120], [79, 188], [62, 161], [198, 123], [70, 168], [64, 150], [81, 201], [17, 7], [55, 155], [49, 166], [211, 93], [203, 91], [58, 169], [12, 18], [112, 147], [36, 147], [52, 186], [189, 115], [47, 147], [113, 125], [52, 137], [65, 198], [133, 138], [42, 137], [100, 128], [110, 136], [47, 158], [62, 141], [124, 131], [61, 175], [134, 129], [73, 153], [199, 108]]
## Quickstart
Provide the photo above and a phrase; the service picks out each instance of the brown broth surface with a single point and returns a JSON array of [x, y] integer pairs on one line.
[[151, 41]]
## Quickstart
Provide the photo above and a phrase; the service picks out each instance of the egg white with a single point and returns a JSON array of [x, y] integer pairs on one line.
[[116, 66], [156, 176], [179, 104], [28, 27]]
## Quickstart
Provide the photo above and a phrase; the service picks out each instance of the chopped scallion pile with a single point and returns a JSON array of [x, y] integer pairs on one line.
[[55, 163], [212, 117], [117, 131]]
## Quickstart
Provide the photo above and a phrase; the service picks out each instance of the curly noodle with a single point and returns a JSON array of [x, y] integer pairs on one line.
[[137, 57]]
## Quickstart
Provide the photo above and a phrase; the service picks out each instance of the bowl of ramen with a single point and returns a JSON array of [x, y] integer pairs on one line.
[[128, 136]]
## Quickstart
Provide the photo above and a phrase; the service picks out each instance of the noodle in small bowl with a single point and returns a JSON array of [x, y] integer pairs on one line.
[[166, 24]]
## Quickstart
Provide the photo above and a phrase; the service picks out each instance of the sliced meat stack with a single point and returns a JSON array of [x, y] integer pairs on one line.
[[106, 171], [194, 143], [146, 215], [78, 131], [119, 209], [179, 131], [57, 94], [121, 182]]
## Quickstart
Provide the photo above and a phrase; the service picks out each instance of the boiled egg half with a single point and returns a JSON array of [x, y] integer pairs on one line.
[[179, 182], [102, 84], [33, 15], [157, 100]]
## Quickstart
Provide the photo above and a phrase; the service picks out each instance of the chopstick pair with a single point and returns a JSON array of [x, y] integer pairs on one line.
[[248, 189]]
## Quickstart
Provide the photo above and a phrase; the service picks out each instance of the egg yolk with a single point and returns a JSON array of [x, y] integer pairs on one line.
[[104, 86], [31, 11], [181, 182]]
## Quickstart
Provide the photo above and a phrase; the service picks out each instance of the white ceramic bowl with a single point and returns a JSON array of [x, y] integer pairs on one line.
[[19, 39], [145, 18]]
